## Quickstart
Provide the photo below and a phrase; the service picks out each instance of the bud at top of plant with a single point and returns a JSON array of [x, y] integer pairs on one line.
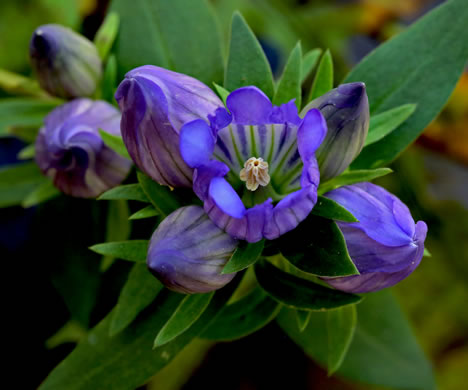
[[66, 63], [70, 150], [346, 110]]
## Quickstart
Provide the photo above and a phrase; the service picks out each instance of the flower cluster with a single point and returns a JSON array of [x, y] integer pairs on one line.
[[256, 167]]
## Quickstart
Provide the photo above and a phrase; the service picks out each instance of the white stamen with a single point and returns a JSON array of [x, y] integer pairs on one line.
[[255, 173]]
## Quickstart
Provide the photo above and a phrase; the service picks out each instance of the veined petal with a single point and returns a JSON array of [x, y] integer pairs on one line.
[[311, 133], [196, 143], [249, 106], [226, 198]]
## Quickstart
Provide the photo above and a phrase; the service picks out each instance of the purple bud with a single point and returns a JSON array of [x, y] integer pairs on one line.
[[66, 63], [70, 150], [187, 252], [385, 245], [346, 110], [155, 104]]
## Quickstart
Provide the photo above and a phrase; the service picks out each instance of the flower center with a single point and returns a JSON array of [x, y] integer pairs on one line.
[[255, 173]]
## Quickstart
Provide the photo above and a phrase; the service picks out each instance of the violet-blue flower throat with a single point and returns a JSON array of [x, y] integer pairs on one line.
[[70, 150]]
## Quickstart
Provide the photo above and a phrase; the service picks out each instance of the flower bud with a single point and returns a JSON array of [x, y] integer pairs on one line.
[[155, 104], [70, 150], [346, 110], [385, 245], [66, 63], [187, 252]]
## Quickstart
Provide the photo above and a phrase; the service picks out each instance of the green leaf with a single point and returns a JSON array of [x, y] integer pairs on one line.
[[117, 227], [318, 247], [139, 291], [427, 253], [309, 61], [127, 192], [18, 181], [289, 86], [245, 255], [222, 92], [106, 34], [41, 193], [383, 345], [323, 81], [328, 208], [181, 35], [297, 292], [147, 212], [24, 112], [16, 84], [189, 310], [109, 81], [115, 143], [243, 317], [341, 324], [133, 250], [28, 152], [402, 70], [303, 318], [127, 360], [383, 124], [352, 177], [247, 63], [161, 197]]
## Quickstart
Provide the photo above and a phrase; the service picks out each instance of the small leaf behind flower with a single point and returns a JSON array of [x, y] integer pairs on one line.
[[352, 177], [106, 34], [40, 194], [125, 192], [323, 81], [146, 212], [245, 255], [115, 143], [289, 86], [309, 61], [299, 293], [133, 250], [223, 93], [330, 209]]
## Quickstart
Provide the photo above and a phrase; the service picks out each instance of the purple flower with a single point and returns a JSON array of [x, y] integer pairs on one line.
[[346, 110], [385, 245], [70, 150], [255, 170], [155, 103], [187, 252], [66, 63]]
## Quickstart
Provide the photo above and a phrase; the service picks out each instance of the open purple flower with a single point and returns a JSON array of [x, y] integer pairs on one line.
[[255, 168], [70, 150], [155, 103], [385, 245]]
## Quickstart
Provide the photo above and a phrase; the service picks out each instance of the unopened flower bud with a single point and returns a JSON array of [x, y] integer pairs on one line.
[[346, 110], [66, 63]]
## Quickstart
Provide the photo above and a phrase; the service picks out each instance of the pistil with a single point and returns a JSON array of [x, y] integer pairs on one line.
[[255, 173]]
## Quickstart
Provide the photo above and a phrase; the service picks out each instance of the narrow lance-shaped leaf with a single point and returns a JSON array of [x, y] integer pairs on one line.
[[323, 81], [351, 177], [245, 255], [402, 71], [109, 80], [115, 143], [299, 293], [309, 61], [289, 86], [40, 194], [328, 208], [146, 212], [222, 92], [303, 318], [188, 311], [247, 63], [133, 250], [383, 124], [126, 192], [106, 34]]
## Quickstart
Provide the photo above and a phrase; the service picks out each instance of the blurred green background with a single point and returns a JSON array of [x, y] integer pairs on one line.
[[431, 177]]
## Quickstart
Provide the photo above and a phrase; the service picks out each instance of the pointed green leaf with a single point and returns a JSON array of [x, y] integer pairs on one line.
[[323, 81], [222, 92], [28, 152], [309, 61], [383, 344], [138, 292], [147, 212], [126, 192], [352, 177], [106, 34], [41, 193], [318, 247], [243, 317], [133, 250], [289, 86], [247, 63], [245, 255], [341, 324], [297, 292], [402, 70], [115, 143], [427, 253], [189, 310], [126, 360], [16, 84], [109, 81], [303, 317], [181, 35], [161, 197], [328, 208], [383, 124]]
